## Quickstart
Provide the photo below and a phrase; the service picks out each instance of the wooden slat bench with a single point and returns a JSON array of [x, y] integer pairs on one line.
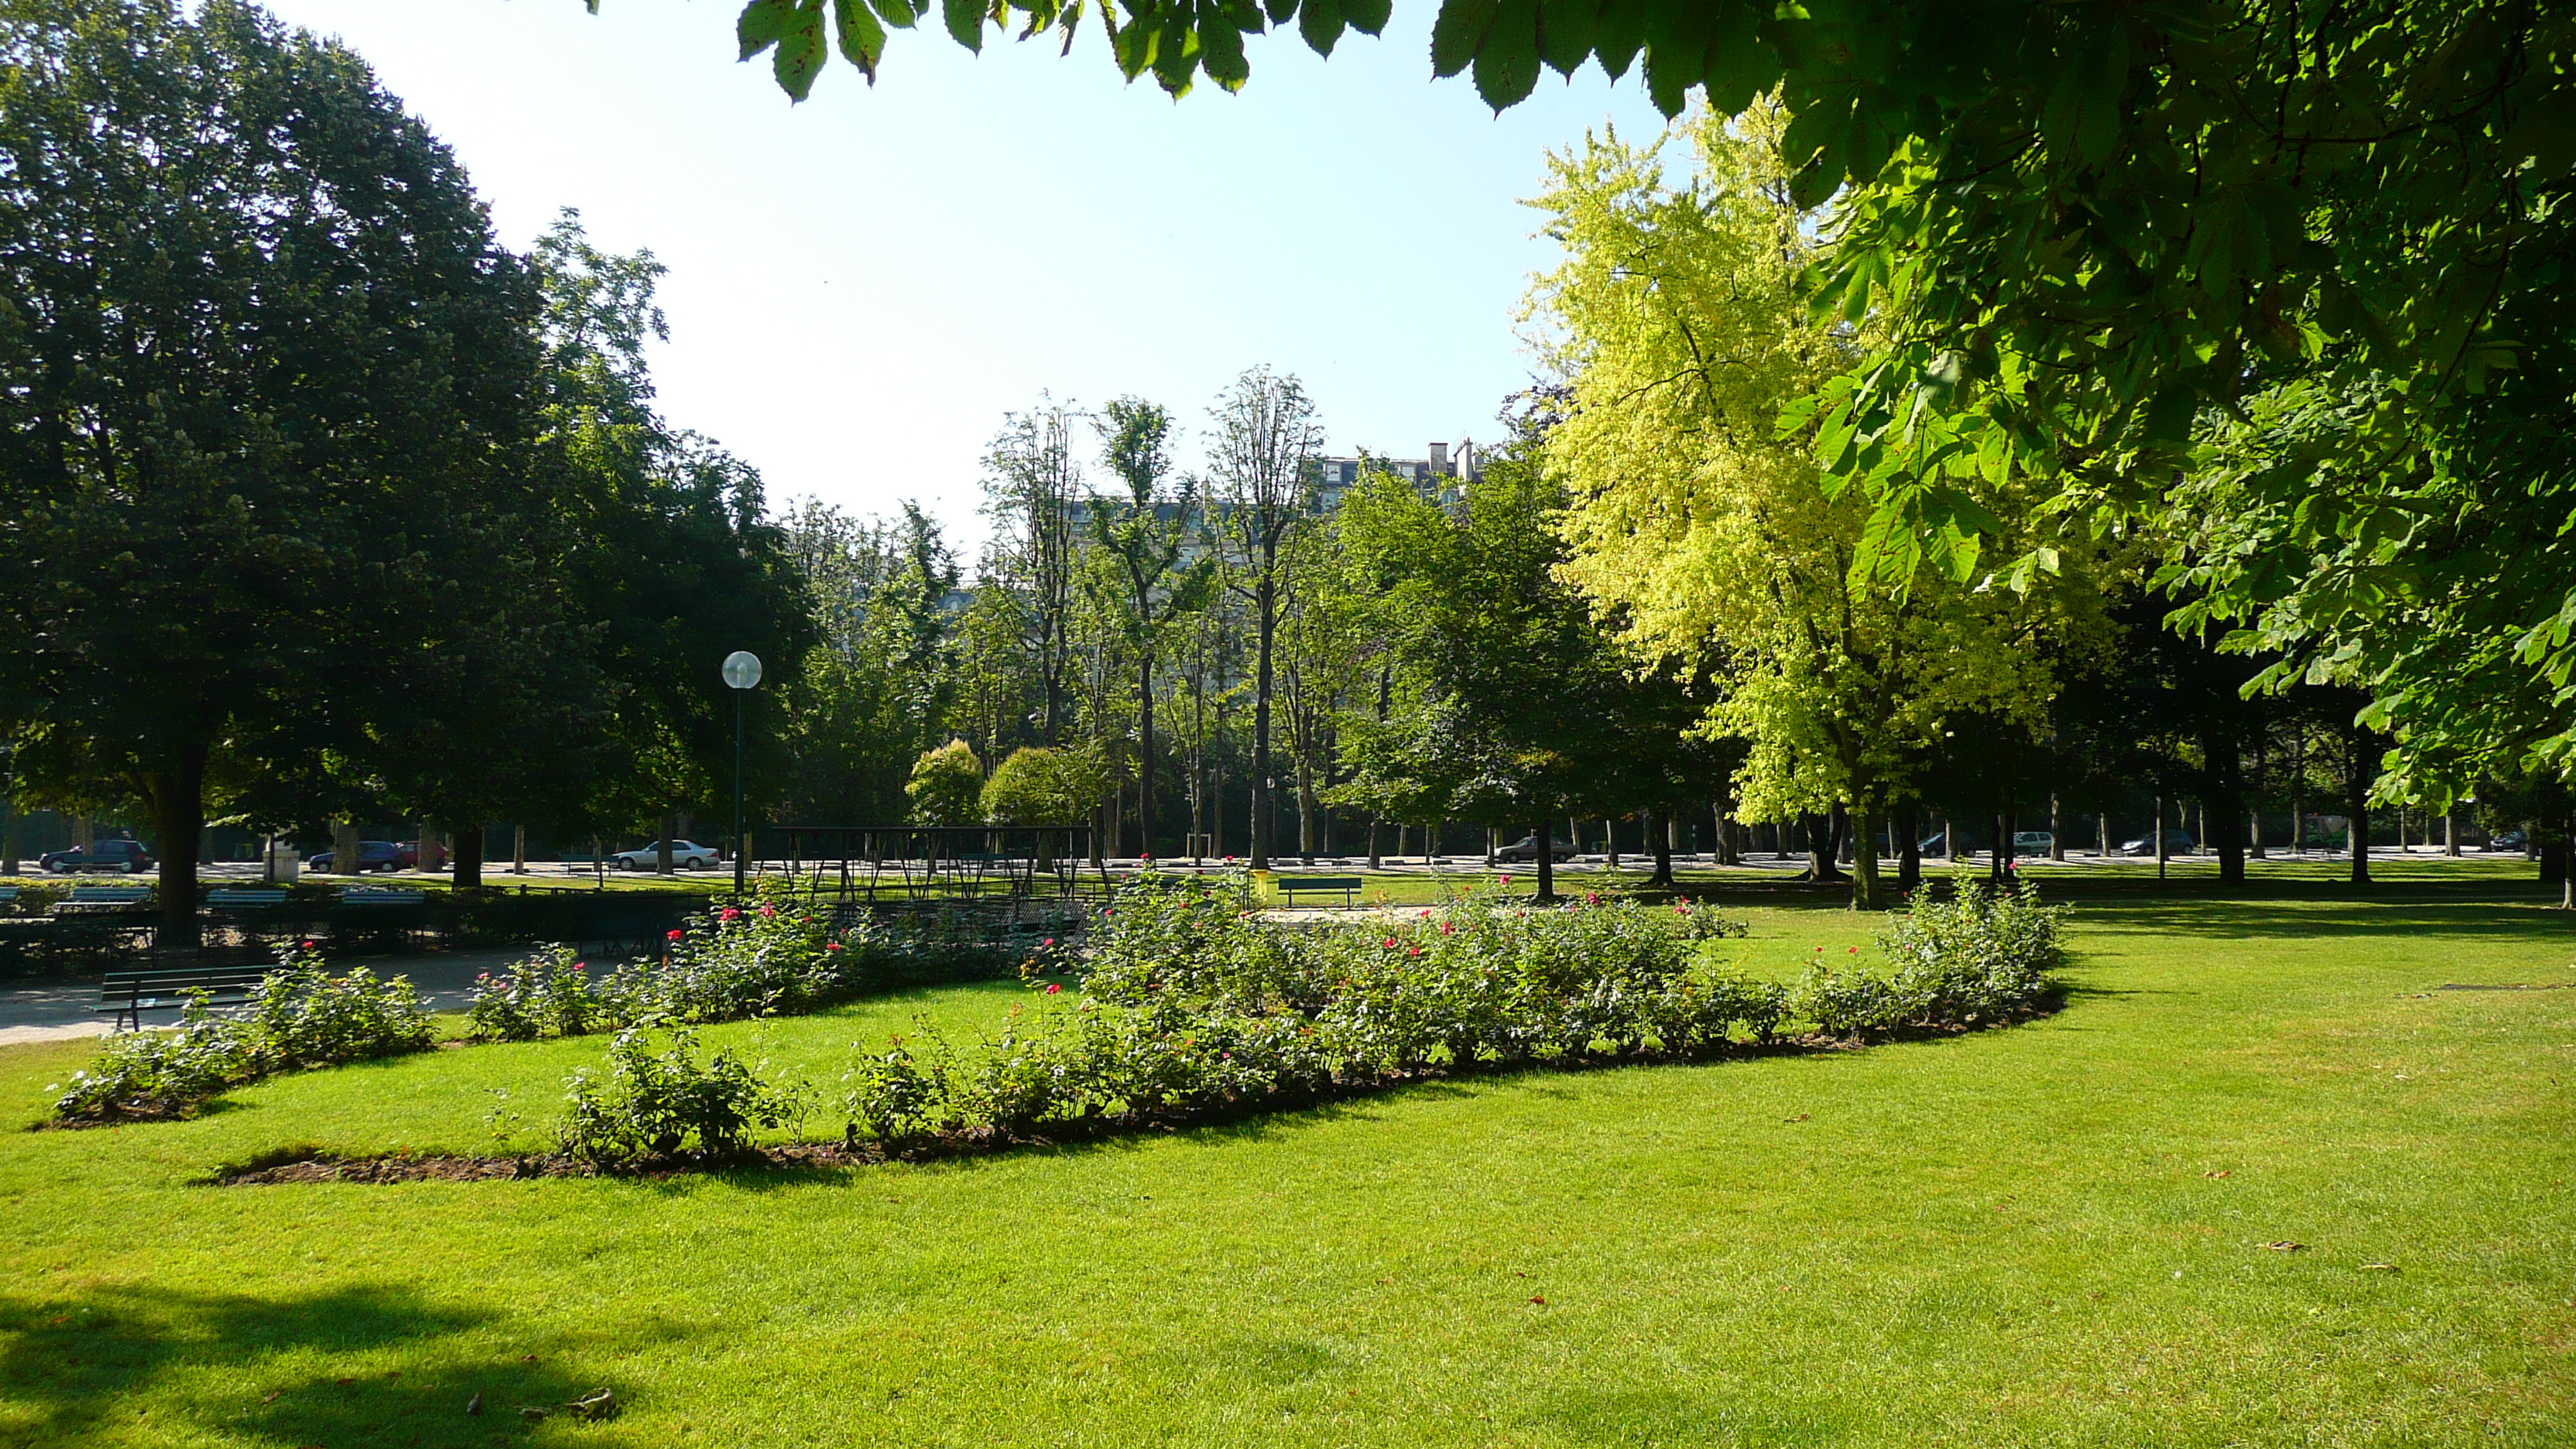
[[129, 994], [1345, 886], [233, 901]]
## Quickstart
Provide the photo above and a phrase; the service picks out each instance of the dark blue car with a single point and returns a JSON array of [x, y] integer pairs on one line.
[[118, 855]]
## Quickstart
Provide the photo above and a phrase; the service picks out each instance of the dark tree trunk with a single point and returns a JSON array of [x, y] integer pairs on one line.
[[1822, 847], [178, 802], [1662, 841], [2225, 804], [1264, 602], [1546, 861], [1867, 893], [466, 871], [1145, 754], [661, 852], [1909, 854], [2356, 792]]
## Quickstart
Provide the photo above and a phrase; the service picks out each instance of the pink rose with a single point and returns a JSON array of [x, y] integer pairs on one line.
[[1053, 988], [728, 914]]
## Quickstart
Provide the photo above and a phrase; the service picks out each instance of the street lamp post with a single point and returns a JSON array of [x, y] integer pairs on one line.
[[742, 675]]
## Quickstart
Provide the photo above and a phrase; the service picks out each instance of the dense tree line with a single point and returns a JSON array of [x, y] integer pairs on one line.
[[320, 503]]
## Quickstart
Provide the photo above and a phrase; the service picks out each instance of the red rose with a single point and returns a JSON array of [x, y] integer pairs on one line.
[[1053, 988], [675, 935]]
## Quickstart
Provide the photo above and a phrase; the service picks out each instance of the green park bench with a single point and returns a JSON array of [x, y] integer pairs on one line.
[[256, 912], [102, 899], [1345, 886], [375, 916], [129, 994]]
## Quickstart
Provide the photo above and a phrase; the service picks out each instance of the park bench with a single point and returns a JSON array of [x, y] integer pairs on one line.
[[255, 912], [372, 916], [1345, 886], [129, 994], [102, 900]]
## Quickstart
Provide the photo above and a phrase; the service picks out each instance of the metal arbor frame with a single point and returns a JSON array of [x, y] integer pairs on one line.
[[1018, 871]]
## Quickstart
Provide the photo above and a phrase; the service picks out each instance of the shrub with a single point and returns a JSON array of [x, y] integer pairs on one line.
[[159, 1073], [1980, 957], [947, 786], [300, 1015], [1194, 1003], [1037, 786], [655, 1104]]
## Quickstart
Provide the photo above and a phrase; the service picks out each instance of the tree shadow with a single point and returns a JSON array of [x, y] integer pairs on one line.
[[2245, 920], [135, 1358]]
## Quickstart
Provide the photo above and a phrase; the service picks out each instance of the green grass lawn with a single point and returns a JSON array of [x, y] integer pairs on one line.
[[2013, 1238]]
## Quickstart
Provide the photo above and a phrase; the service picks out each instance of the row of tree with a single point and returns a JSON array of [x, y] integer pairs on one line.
[[1655, 601]]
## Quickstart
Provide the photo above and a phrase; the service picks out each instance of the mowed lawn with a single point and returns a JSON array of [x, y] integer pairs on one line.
[[2053, 1234]]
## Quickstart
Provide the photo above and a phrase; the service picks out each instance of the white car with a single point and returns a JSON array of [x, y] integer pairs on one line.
[[685, 855]]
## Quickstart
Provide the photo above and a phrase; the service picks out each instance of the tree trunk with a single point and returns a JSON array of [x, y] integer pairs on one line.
[[2159, 833], [178, 801], [1376, 861], [1909, 853], [1867, 893], [1821, 849], [1546, 862], [345, 854], [1662, 842], [466, 871], [2056, 828], [1145, 753], [662, 850], [2102, 824], [2357, 800], [518, 850], [2225, 803], [2451, 832], [1265, 598]]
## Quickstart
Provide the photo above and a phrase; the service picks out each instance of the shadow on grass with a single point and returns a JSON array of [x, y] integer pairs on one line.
[[164, 1364], [2251, 920]]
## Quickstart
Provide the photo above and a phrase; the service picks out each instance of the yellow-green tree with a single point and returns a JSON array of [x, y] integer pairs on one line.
[[1701, 521]]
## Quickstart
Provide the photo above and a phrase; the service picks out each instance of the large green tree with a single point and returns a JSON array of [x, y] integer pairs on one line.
[[263, 434]]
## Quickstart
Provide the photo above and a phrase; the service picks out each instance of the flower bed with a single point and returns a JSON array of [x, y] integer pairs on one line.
[[299, 1016]]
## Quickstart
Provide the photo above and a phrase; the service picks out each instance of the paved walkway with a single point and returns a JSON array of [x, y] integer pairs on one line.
[[56, 1009]]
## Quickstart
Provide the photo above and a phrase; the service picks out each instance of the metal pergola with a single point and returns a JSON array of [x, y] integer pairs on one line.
[[1008, 869]]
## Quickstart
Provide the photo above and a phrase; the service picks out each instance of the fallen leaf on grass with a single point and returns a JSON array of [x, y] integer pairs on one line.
[[271, 1396], [344, 1383], [2379, 1267], [2222, 1172], [1801, 1117], [2286, 1247], [1541, 1302]]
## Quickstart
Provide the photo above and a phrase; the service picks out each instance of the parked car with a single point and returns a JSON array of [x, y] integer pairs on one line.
[[685, 855], [2177, 842], [2032, 842], [1524, 851], [1936, 842], [127, 856], [2510, 840], [375, 855]]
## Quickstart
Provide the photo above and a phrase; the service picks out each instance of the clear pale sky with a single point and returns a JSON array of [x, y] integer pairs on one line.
[[860, 286]]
